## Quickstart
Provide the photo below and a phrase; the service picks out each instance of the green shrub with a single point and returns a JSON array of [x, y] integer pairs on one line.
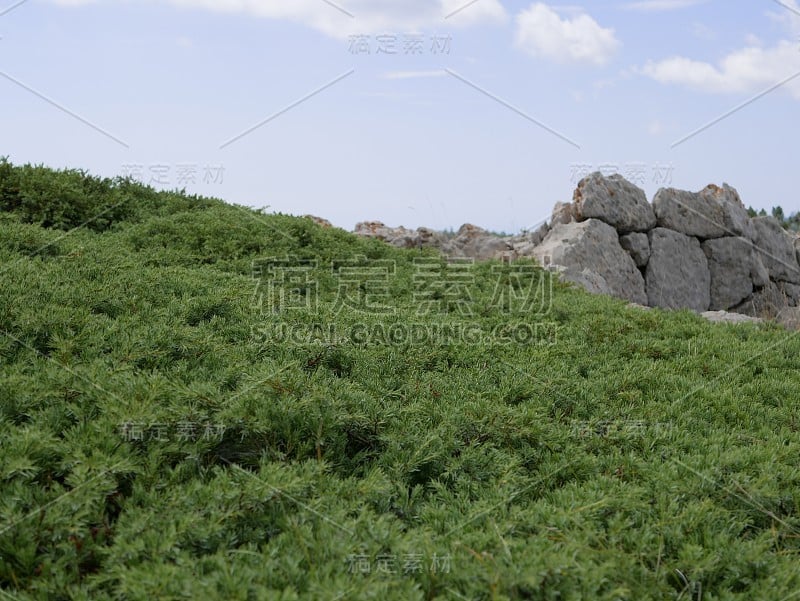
[[636, 455]]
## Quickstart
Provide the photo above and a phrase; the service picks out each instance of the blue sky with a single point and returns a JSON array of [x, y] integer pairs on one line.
[[412, 112]]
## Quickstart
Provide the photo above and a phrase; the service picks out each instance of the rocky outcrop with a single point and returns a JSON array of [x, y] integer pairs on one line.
[[726, 317], [677, 274], [638, 246], [589, 253], [614, 201], [563, 212], [400, 236], [776, 250], [474, 242], [735, 270], [688, 213], [693, 250], [319, 221]]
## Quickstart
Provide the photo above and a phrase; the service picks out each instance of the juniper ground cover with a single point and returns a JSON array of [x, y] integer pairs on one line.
[[175, 424]]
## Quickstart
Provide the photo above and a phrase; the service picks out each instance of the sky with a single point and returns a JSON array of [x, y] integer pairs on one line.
[[411, 112]]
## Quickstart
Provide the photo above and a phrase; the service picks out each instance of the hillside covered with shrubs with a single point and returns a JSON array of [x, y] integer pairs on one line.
[[205, 401]]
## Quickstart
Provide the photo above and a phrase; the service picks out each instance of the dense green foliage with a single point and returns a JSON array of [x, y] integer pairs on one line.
[[791, 222], [637, 455]]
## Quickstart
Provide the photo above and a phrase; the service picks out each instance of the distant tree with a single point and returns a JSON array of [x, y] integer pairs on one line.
[[793, 222], [777, 213], [762, 213], [751, 212]]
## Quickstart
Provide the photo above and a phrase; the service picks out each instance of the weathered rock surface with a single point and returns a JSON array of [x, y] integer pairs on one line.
[[765, 302], [697, 250], [591, 248], [725, 317], [586, 279], [523, 244], [475, 242], [791, 292], [615, 201], [733, 266], [319, 221], [638, 246], [690, 213], [399, 236], [563, 212], [776, 249], [735, 220], [677, 274]]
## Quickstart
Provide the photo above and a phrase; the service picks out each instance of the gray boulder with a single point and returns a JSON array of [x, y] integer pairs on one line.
[[585, 278], [476, 243], [677, 274], [588, 249], [615, 201], [523, 244], [791, 292], [638, 245], [765, 302], [776, 249], [399, 236], [711, 213], [688, 213], [563, 212], [735, 219], [733, 266], [725, 317]]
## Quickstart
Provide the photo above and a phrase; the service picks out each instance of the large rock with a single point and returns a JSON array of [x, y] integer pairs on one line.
[[711, 213], [677, 274], [791, 292], [523, 244], [725, 317], [319, 221], [765, 302], [615, 201], [776, 249], [563, 212], [735, 219], [400, 236], [638, 245], [476, 243], [585, 278], [588, 249], [734, 267]]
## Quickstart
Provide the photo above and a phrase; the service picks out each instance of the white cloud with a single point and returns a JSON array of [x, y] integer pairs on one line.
[[340, 18], [661, 5], [754, 68], [543, 33], [747, 70], [789, 16]]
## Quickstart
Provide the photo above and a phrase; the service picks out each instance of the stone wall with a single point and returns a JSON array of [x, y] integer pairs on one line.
[[694, 250]]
